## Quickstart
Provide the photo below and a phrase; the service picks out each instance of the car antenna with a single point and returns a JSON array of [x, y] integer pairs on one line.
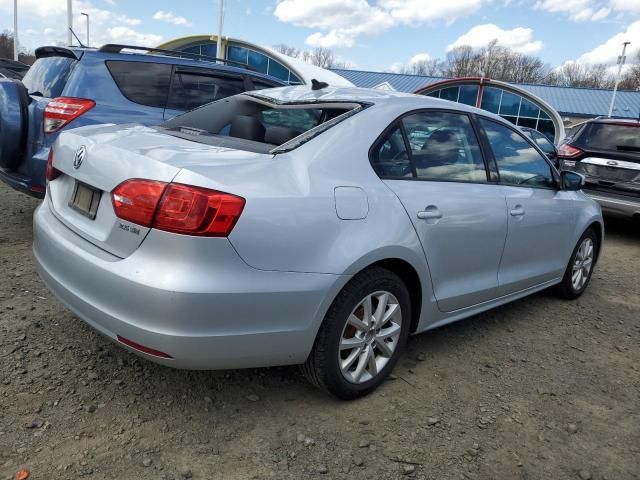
[[316, 85], [74, 34]]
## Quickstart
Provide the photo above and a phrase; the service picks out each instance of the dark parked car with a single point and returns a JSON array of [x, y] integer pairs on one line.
[[72, 87], [12, 69], [543, 142], [607, 152]]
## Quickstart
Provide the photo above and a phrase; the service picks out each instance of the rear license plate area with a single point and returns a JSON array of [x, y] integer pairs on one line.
[[85, 200]]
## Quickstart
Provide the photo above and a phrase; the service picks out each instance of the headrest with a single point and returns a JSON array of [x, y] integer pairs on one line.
[[249, 128], [279, 135]]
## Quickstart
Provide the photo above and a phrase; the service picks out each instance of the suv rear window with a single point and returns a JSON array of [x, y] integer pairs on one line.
[[48, 76], [142, 82], [618, 137]]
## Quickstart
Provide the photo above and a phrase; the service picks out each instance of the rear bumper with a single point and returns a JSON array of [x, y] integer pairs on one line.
[[21, 183], [191, 298], [616, 204]]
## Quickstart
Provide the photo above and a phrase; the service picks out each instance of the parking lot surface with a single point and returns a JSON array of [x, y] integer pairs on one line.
[[540, 388]]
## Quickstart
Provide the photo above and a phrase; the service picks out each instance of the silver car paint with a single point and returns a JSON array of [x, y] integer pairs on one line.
[[258, 298]]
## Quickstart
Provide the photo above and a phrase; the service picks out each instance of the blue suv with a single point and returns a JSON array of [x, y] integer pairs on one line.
[[72, 87]]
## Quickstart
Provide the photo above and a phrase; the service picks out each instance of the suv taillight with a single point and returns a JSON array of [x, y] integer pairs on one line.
[[177, 208], [52, 172], [568, 151], [62, 110]]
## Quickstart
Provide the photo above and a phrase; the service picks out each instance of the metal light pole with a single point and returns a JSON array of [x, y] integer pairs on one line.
[[15, 30], [69, 23], [87, 15], [615, 88], [219, 53]]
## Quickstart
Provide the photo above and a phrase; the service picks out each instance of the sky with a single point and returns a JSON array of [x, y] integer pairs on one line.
[[368, 35]]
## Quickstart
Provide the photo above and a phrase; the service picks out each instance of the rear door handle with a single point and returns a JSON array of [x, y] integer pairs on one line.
[[430, 213], [517, 211]]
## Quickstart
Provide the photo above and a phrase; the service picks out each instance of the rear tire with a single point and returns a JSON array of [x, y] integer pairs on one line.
[[580, 268], [354, 352]]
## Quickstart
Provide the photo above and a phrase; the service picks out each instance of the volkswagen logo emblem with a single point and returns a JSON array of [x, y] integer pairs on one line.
[[78, 158]]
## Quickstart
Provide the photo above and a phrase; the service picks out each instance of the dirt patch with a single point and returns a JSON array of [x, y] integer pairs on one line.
[[540, 388]]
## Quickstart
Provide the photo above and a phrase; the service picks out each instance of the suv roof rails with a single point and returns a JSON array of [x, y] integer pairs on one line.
[[117, 48]]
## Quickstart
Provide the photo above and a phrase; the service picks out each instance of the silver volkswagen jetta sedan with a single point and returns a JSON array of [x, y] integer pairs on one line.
[[306, 226]]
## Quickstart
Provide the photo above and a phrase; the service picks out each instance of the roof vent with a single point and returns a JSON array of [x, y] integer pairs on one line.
[[316, 85]]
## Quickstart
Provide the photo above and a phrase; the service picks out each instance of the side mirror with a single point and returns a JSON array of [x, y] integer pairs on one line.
[[571, 181]]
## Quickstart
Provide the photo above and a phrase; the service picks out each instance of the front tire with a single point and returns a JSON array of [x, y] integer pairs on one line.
[[580, 268], [362, 335]]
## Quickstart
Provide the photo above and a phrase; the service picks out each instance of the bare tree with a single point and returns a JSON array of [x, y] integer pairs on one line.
[[430, 68], [573, 74], [6, 49], [287, 50], [631, 79]]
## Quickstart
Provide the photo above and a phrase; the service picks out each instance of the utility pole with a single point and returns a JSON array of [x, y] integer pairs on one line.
[[15, 30], [219, 52], [87, 15], [615, 88], [69, 23]]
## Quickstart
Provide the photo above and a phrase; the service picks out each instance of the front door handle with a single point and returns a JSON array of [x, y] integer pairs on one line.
[[517, 211], [430, 213]]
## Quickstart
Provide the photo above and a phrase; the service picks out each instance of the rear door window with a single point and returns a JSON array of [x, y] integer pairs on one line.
[[48, 76], [142, 82], [444, 147], [191, 88]]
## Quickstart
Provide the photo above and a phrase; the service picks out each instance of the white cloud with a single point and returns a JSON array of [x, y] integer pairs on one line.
[[170, 17], [609, 51], [519, 39], [588, 10], [632, 6], [420, 57], [46, 21], [340, 22], [396, 67]]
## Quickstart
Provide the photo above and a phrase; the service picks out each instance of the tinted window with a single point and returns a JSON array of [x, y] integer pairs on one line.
[[143, 83], [444, 147], [510, 104], [518, 162], [468, 95], [48, 76], [389, 157], [192, 88], [605, 136], [258, 61], [491, 99]]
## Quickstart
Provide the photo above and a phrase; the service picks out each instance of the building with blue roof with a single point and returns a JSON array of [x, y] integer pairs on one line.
[[572, 104]]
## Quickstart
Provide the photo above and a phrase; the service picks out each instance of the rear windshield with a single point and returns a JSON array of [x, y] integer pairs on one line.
[[246, 123], [606, 136], [48, 76]]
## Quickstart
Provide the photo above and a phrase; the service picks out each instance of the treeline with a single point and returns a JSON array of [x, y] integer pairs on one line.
[[498, 63], [6, 49]]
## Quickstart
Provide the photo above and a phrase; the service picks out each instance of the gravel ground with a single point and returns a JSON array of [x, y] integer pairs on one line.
[[541, 388]]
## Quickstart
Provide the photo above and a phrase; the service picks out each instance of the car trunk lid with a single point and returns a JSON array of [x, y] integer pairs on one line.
[[95, 160]]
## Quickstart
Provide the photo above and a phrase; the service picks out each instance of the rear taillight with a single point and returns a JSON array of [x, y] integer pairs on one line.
[[52, 172], [177, 208], [568, 151], [62, 110], [136, 200]]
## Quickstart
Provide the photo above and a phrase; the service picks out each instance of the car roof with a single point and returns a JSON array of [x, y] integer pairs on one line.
[[134, 56]]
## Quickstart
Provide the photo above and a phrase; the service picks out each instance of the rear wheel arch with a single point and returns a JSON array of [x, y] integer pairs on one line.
[[411, 280], [599, 231]]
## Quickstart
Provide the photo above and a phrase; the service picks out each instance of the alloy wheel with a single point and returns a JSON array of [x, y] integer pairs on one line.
[[582, 264], [370, 337]]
